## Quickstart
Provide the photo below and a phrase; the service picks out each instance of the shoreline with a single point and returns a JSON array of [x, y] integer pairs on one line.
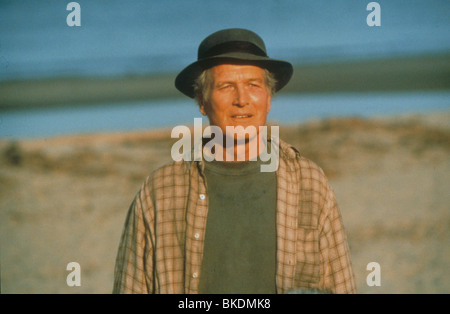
[[435, 118], [395, 74]]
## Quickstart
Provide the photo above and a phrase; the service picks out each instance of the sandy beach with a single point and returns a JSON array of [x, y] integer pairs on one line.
[[64, 199]]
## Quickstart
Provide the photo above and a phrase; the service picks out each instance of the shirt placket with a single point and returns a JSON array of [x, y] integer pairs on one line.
[[287, 214], [195, 231]]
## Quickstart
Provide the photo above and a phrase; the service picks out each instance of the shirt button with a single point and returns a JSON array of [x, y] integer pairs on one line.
[[194, 275], [202, 196], [196, 236]]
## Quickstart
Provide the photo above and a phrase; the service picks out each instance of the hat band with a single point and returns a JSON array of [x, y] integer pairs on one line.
[[233, 46]]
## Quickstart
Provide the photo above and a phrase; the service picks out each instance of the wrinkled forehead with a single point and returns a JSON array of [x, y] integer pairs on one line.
[[237, 72]]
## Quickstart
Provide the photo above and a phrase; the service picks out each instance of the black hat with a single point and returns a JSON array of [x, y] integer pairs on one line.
[[232, 46]]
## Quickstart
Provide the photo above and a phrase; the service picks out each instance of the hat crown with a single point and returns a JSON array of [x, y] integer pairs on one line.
[[232, 46], [231, 40]]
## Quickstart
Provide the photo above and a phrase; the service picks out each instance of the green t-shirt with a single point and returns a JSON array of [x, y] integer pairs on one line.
[[240, 241]]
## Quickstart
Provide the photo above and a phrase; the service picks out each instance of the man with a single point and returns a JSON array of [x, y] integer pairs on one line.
[[225, 226]]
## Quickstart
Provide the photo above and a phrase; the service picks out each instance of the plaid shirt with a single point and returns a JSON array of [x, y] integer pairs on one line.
[[161, 247]]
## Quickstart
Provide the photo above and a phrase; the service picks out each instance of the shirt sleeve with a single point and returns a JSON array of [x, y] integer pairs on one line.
[[339, 276], [133, 271]]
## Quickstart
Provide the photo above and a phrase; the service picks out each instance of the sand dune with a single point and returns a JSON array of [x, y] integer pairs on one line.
[[65, 199]]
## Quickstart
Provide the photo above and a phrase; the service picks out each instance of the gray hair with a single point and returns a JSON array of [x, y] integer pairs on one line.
[[203, 84]]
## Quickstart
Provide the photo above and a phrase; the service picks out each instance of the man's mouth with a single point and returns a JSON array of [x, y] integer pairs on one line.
[[242, 116]]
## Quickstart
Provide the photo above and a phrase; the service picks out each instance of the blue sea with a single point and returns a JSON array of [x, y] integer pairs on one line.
[[140, 37]]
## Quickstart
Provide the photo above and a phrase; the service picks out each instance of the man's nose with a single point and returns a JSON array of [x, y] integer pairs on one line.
[[241, 97]]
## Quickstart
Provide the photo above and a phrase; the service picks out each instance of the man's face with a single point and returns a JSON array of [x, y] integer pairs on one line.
[[239, 97]]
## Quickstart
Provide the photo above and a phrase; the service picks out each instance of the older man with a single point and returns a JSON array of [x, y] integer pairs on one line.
[[225, 226]]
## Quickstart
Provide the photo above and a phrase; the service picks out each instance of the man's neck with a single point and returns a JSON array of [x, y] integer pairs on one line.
[[243, 150]]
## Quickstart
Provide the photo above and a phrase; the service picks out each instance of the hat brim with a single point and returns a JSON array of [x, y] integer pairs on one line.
[[282, 70]]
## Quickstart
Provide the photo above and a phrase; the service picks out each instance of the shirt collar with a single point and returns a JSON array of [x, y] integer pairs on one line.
[[286, 151]]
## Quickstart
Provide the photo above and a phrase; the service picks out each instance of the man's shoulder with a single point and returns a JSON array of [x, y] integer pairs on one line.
[[168, 173], [314, 187], [172, 167], [306, 166]]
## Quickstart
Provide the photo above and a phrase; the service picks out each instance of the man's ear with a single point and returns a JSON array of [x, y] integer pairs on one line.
[[201, 106]]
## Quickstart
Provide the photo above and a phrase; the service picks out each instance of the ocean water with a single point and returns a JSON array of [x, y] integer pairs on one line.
[[141, 37], [152, 36], [285, 109]]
